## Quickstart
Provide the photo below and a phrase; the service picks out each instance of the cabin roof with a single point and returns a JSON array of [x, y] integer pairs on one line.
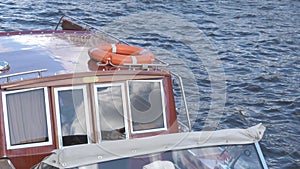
[[60, 52]]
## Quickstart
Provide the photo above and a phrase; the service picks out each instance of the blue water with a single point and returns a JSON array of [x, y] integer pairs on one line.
[[256, 42]]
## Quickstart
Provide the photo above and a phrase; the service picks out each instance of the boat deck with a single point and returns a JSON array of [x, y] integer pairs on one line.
[[59, 52]]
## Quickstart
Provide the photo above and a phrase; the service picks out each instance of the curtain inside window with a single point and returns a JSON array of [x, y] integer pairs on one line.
[[27, 117]]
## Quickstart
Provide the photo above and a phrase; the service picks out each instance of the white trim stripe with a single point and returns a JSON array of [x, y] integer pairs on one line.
[[114, 48], [134, 60]]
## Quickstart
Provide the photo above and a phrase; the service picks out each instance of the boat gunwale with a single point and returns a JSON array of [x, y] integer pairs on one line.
[[41, 32]]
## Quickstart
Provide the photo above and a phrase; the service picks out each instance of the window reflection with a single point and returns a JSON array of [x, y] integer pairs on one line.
[[146, 105], [72, 116], [229, 157], [233, 157], [111, 112]]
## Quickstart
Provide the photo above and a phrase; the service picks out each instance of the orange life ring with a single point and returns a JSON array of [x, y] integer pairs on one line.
[[121, 54]]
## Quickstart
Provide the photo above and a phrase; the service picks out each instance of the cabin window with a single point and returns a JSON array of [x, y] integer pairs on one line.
[[110, 106], [27, 118], [72, 115], [147, 106]]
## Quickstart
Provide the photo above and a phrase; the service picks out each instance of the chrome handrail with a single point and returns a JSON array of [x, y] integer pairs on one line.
[[184, 100], [39, 72]]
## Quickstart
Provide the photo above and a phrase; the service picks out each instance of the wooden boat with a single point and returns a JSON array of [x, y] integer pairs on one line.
[[62, 109]]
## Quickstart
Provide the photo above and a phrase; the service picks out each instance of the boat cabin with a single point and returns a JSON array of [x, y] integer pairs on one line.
[[53, 96]]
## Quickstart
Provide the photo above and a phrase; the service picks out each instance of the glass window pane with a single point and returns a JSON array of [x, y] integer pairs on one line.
[[229, 157], [111, 113], [72, 117], [146, 105], [27, 119]]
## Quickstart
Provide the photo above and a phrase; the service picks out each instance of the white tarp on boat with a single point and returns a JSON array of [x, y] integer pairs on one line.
[[78, 155]]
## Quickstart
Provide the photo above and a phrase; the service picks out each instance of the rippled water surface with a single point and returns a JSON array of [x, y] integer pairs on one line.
[[250, 74]]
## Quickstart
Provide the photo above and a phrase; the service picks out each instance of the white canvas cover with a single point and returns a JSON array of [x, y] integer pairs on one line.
[[78, 155]]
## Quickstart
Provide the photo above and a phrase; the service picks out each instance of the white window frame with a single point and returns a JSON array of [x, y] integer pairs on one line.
[[57, 111], [165, 128], [6, 125], [124, 102]]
